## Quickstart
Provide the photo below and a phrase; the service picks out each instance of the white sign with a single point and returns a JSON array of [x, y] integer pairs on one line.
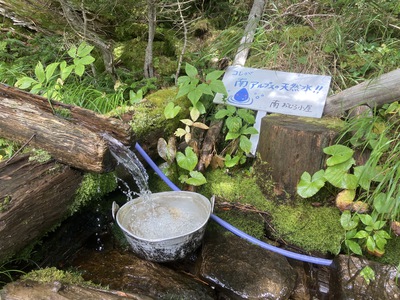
[[275, 91]]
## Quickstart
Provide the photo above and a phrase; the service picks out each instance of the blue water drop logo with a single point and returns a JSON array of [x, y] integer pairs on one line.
[[242, 95]]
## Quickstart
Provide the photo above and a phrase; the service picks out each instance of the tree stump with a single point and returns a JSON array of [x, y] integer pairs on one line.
[[291, 145], [33, 198]]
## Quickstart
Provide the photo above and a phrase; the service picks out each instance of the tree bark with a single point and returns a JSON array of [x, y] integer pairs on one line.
[[34, 197], [375, 92], [74, 140], [291, 145], [148, 61]]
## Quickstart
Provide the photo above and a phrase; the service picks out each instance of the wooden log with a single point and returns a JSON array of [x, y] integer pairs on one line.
[[291, 145], [375, 92], [33, 198], [72, 139]]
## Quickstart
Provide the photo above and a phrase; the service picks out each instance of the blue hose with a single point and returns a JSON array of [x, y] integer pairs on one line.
[[234, 230]]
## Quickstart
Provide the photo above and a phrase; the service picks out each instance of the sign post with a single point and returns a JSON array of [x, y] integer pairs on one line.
[[274, 92]]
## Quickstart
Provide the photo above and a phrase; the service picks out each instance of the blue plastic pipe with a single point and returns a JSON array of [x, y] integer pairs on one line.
[[234, 230]]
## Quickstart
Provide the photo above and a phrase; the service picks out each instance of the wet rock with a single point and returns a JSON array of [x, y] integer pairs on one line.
[[243, 270], [350, 284], [126, 272]]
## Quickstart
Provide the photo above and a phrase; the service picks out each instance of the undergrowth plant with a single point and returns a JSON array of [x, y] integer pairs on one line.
[[374, 185]]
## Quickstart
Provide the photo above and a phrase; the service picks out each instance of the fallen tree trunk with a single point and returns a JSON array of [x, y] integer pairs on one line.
[[375, 92], [72, 138], [33, 198]]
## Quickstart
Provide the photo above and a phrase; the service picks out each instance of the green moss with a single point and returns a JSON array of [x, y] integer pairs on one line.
[[392, 253], [93, 187], [49, 275], [149, 115], [4, 203], [313, 229], [40, 156]]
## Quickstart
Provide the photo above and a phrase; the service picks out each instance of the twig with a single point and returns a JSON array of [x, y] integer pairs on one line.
[[20, 149]]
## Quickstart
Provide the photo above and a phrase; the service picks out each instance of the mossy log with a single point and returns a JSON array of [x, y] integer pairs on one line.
[[291, 145], [71, 134], [34, 197]]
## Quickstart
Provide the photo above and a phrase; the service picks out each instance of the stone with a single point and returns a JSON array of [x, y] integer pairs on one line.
[[243, 270], [350, 284]]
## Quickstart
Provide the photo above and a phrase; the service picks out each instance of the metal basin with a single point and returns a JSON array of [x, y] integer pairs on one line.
[[166, 226]]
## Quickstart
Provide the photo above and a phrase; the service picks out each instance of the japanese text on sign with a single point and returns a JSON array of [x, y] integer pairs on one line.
[[275, 91]]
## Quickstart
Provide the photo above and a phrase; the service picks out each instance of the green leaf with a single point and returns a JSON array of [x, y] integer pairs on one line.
[[79, 70], [353, 246], [378, 225], [190, 70], [214, 75], [205, 89], [339, 154], [246, 115], [383, 205], [222, 113], [368, 274], [362, 234], [25, 82], [366, 219], [171, 111], [84, 49], [382, 234], [50, 70], [371, 245], [249, 130], [308, 186], [72, 51], [184, 90], [183, 80], [187, 161], [231, 161], [347, 221], [234, 123], [87, 60], [39, 72], [66, 71], [231, 135], [337, 175], [245, 144], [194, 96], [218, 86], [196, 178]]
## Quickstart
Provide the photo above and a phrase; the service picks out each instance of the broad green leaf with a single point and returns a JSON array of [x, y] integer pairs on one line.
[[200, 107], [218, 86], [187, 161], [25, 82], [245, 144], [231, 135], [340, 178], [205, 89], [339, 154], [196, 178], [249, 130], [308, 186], [184, 90], [231, 109], [371, 245], [87, 60], [231, 161], [72, 51], [214, 75], [171, 111], [383, 205], [222, 113], [368, 274], [246, 115], [234, 124], [190, 70], [84, 49], [362, 234], [353, 246], [382, 234], [378, 225], [50, 70], [347, 221], [39, 72], [183, 80], [79, 69], [366, 219], [66, 71], [37, 88], [194, 96]]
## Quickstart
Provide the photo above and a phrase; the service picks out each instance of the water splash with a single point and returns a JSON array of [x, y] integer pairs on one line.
[[128, 159]]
